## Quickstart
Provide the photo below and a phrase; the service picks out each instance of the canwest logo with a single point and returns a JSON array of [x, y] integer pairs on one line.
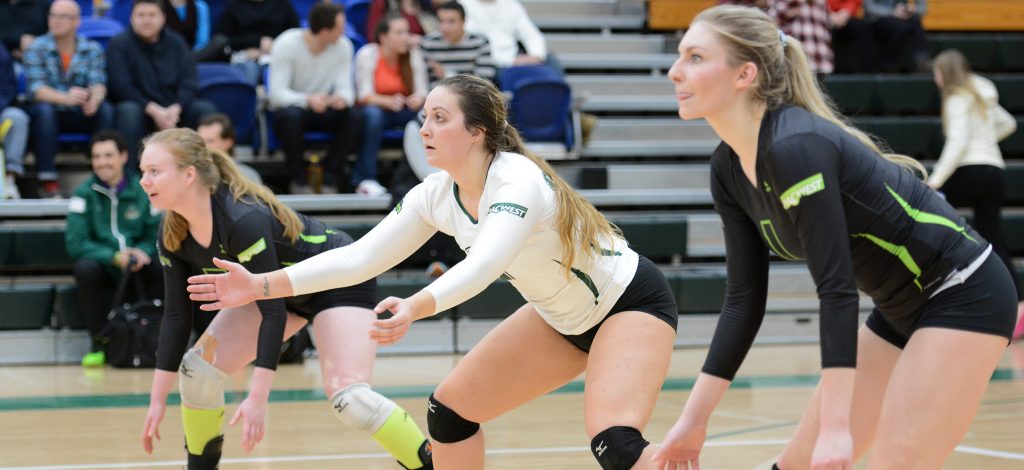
[[514, 209], [791, 197]]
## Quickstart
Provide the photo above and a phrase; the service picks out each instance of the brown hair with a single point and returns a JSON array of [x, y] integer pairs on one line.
[[784, 76], [214, 168], [579, 222]]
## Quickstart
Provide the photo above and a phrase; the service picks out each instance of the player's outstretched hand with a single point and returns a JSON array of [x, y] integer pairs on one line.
[[233, 288]]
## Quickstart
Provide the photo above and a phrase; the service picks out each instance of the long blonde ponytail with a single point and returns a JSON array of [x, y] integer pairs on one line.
[[213, 168]]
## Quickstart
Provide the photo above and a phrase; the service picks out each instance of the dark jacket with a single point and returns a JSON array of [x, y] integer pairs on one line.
[[162, 72], [93, 234], [8, 85], [244, 22], [18, 17]]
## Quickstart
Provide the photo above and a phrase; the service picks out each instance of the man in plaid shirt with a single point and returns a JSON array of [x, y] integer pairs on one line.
[[805, 20]]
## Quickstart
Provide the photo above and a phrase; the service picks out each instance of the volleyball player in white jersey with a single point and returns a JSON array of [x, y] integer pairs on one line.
[[593, 304]]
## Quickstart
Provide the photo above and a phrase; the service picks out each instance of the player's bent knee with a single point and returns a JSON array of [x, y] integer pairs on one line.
[[200, 383], [361, 408], [618, 447], [445, 425]]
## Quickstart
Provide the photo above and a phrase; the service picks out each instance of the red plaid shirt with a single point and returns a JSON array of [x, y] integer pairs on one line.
[[807, 21]]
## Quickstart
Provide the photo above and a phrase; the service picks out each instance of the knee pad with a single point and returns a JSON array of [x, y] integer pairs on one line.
[[618, 447], [200, 383], [210, 458], [361, 408], [445, 425]]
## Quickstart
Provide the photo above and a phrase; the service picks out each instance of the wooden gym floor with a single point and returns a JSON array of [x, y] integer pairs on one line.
[[64, 417]]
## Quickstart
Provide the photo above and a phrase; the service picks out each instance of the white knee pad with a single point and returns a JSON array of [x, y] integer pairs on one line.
[[200, 383], [362, 408]]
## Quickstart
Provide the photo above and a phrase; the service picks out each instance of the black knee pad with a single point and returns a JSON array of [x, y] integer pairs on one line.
[[210, 460], [445, 425], [618, 447]]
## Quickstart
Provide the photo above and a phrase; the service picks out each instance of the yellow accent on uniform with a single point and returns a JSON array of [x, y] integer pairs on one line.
[[201, 427], [401, 437]]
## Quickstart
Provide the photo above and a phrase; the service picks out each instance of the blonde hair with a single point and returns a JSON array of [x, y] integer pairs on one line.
[[784, 75], [213, 168], [579, 222], [955, 71]]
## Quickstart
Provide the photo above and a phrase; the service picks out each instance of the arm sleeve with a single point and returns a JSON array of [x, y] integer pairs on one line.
[[501, 237], [957, 132], [529, 35], [281, 70], [746, 260], [77, 239], [202, 25], [253, 246], [35, 71], [1003, 121], [176, 324], [366, 63], [119, 72], [97, 65], [485, 67], [395, 238], [147, 240], [419, 73], [238, 38], [805, 168], [343, 85]]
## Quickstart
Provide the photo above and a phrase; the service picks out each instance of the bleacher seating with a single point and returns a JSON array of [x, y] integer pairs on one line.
[[231, 91]]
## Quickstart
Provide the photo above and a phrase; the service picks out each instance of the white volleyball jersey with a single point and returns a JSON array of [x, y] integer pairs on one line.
[[516, 237]]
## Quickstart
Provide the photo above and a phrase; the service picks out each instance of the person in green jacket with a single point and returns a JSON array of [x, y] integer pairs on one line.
[[103, 244]]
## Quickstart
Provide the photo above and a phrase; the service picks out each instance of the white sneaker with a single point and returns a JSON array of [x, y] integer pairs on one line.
[[11, 188], [371, 188]]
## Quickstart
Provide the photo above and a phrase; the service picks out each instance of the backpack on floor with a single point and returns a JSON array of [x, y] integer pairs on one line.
[[130, 337]]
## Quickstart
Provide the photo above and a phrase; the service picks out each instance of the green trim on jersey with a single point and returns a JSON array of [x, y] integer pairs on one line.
[[900, 252], [164, 261], [455, 189], [584, 278], [398, 207], [314, 239], [514, 209], [214, 271], [773, 239], [806, 187], [927, 217], [255, 249]]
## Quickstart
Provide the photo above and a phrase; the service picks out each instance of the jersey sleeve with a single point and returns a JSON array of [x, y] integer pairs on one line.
[[513, 210], [252, 245], [805, 170], [405, 229], [176, 324], [746, 259]]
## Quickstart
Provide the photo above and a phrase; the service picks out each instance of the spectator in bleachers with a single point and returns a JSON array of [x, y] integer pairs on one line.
[[66, 78], [391, 81], [190, 19], [506, 24], [849, 29], [310, 88], [419, 14], [897, 26], [970, 170], [20, 22], [219, 134], [16, 122], [246, 30], [452, 50], [808, 22], [152, 77], [104, 244]]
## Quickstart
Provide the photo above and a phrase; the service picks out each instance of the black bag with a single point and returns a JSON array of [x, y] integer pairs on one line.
[[130, 337]]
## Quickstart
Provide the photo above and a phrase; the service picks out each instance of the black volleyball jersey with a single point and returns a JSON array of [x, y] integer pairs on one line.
[[857, 220], [245, 232]]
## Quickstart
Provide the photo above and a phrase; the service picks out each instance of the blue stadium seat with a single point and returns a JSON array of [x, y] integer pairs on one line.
[[356, 13], [86, 8], [121, 11], [228, 88], [100, 29], [540, 105]]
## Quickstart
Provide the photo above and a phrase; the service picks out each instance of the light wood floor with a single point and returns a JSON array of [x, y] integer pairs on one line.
[[65, 417]]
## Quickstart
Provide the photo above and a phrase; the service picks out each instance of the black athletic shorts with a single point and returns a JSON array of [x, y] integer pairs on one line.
[[648, 292], [985, 303], [360, 295]]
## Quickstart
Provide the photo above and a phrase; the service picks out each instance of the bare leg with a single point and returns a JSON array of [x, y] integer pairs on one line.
[[346, 351], [520, 359], [627, 366]]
